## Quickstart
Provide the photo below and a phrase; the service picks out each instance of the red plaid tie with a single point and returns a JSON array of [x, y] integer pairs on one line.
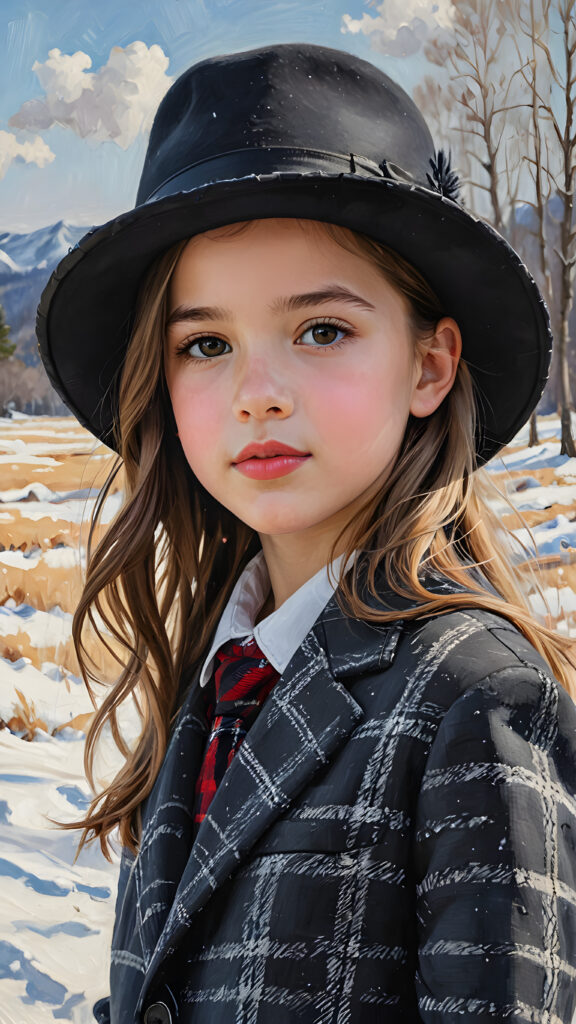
[[242, 681]]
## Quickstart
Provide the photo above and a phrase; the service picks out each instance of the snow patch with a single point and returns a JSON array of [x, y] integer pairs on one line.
[[540, 456], [552, 537], [71, 511], [44, 629]]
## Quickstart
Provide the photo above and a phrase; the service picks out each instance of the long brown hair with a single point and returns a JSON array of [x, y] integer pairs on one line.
[[158, 581]]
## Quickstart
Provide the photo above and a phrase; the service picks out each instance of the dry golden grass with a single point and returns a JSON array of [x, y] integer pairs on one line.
[[82, 469], [17, 532], [534, 517], [26, 722], [25, 719], [19, 645], [556, 571], [73, 471], [42, 586]]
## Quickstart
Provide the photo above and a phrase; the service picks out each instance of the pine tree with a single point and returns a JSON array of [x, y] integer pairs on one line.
[[7, 347]]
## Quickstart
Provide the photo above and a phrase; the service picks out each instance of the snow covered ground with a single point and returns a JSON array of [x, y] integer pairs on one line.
[[56, 914], [527, 493], [56, 917]]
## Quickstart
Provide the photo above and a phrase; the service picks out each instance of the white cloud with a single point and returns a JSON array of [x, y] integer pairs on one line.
[[401, 27], [32, 151], [115, 103], [64, 76]]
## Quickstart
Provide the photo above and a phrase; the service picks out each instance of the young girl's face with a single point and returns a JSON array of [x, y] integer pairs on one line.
[[279, 334]]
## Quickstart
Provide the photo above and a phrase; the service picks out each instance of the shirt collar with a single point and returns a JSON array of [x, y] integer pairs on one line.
[[280, 634]]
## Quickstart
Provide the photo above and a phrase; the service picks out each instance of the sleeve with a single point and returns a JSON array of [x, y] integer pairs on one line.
[[101, 1009], [495, 856]]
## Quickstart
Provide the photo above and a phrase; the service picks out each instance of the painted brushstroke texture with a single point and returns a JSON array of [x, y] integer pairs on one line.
[[56, 916]]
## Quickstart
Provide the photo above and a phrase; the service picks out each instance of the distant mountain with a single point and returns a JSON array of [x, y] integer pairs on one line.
[[526, 214], [41, 249], [26, 262], [7, 265]]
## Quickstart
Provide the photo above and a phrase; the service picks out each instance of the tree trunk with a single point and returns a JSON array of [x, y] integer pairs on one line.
[[566, 440], [533, 439], [566, 238]]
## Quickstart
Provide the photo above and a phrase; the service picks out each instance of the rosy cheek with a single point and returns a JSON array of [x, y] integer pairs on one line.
[[362, 420], [351, 411], [197, 418]]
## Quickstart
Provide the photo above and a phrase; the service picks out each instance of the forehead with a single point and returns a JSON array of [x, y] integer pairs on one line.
[[276, 249], [284, 236]]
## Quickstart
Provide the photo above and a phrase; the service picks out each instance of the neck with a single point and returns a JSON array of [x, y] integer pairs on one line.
[[293, 558], [266, 609], [289, 569]]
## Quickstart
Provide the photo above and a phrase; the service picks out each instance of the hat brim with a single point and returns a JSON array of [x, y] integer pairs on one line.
[[85, 312]]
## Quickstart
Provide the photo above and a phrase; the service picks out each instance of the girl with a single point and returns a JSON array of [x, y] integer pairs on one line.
[[353, 799]]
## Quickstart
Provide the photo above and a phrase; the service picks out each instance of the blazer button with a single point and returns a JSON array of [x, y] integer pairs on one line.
[[158, 1013]]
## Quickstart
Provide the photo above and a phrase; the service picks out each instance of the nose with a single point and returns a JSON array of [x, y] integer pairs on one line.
[[261, 392]]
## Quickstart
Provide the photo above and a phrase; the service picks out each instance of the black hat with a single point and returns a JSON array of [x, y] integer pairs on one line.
[[297, 130]]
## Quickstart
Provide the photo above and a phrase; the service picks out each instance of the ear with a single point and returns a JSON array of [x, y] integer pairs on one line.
[[438, 367]]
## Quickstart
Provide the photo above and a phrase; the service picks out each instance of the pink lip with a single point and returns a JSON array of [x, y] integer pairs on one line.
[[271, 468], [266, 450]]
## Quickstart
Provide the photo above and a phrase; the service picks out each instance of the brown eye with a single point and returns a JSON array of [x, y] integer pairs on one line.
[[203, 348], [324, 333], [209, 346]]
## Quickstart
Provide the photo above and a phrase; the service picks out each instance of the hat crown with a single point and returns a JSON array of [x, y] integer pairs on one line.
[[291, 96]]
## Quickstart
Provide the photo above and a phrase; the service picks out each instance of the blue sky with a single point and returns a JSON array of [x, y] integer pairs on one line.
[[87, 181]]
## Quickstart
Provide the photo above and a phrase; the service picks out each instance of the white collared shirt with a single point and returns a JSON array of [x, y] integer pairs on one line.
[[280, 634]]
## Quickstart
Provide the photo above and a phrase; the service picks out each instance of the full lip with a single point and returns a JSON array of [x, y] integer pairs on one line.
[[266, 450]]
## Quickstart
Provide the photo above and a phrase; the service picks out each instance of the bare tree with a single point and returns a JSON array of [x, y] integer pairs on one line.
[[563, 117], [12, 370], [533, 20], [551, 157], [27, 389], [439, 103], [481, 82], [517, 115]]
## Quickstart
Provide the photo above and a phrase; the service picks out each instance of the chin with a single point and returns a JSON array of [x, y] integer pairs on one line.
[[278, 524]]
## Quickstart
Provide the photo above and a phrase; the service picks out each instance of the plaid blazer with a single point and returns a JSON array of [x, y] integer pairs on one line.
[[395, 842]]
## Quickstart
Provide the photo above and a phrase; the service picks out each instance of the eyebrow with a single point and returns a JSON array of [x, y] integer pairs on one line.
[[286, 304]]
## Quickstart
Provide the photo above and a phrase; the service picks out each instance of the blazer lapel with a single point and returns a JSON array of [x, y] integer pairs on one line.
[[167, 819], [306, 718]]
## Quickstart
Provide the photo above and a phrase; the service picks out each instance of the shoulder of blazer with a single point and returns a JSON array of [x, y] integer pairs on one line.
[[466, 658], [442, 671], [473, 643], [461, 646]]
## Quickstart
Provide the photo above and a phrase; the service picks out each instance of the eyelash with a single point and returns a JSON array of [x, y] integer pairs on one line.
[[184, 348]]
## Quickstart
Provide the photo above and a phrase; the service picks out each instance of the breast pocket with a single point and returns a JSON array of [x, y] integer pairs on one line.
[[336, 829], [301, 832]]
